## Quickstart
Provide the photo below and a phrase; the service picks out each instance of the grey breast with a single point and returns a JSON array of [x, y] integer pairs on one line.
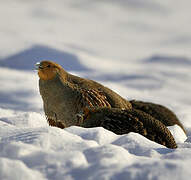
[[58, 100]]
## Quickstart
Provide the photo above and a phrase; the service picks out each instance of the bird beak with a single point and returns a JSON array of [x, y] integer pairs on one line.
[[38, 66]]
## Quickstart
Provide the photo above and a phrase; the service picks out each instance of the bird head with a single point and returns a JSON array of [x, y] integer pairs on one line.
[[47, 70]]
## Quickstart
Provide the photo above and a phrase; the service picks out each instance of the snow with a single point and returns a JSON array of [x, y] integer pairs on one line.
[[140, 49]]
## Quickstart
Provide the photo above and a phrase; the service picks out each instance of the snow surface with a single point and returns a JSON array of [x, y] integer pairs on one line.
[[140, 49]]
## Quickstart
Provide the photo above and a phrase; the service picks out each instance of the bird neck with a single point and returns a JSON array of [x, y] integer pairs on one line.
[[46, 76]]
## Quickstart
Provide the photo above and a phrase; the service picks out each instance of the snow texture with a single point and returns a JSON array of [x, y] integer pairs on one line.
[[140, 49]]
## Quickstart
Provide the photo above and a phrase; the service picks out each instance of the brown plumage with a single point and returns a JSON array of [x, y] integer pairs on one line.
[[66, 97], [124, 121], [159, 112]]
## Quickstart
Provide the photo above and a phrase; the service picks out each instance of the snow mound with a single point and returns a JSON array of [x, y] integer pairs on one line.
[[178, 133], [78, 153]]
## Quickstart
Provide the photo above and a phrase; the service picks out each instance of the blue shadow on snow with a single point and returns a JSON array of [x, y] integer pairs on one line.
[[25, 60]]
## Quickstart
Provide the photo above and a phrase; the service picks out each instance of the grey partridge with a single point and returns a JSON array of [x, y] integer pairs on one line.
[[66, 96]]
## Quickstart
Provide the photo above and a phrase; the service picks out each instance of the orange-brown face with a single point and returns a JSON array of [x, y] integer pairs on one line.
[[47, 70]]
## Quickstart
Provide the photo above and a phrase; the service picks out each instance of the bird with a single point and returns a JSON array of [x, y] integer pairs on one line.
[[66, 97]]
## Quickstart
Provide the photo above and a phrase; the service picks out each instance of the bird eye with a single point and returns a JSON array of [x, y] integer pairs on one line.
[[48, 66]]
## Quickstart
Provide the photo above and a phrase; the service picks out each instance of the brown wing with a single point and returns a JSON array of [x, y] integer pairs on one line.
[[92, 98], [125, 121]]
